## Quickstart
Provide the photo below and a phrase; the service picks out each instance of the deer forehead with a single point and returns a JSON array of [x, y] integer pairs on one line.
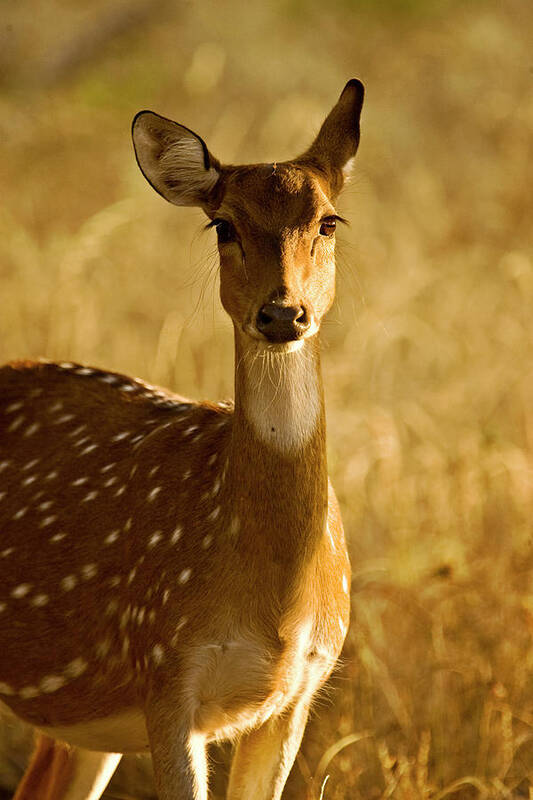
[[274, 198]]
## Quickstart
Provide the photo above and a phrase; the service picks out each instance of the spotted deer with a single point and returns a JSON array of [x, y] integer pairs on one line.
[[172, 572]]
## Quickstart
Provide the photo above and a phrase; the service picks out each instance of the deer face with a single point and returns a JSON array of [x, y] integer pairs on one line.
[[276, 235], [275, 222]]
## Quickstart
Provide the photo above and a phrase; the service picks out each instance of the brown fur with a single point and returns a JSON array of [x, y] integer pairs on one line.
[[178, 564]]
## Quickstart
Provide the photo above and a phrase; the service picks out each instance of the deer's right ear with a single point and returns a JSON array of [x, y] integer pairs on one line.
[[174, 160]]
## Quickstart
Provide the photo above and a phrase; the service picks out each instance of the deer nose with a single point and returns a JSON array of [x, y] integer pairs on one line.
[[280, 323]]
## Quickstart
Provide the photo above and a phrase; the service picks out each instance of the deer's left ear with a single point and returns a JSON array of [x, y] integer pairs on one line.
[[174, 160], [336, 144]]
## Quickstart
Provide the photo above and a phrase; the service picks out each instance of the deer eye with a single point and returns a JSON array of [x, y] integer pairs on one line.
[[327, 227], [225, 231]]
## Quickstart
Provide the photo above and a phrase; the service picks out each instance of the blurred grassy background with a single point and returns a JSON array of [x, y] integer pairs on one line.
[[427, 361]]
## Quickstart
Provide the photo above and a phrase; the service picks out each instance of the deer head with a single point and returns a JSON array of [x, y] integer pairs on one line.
[[275, 222]]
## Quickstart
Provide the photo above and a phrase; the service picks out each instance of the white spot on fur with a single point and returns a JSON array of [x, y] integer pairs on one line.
[[21, 590], [64, 418], [158, 654], [119, 436], [32, 429], [176, 535], [207, 541], [75, 668], [155, 538], [16, 424], [40, 600], [89, 571], [51, 683], [153, 493], [77, 431], [68, 583], [184, 575], [29, 692]]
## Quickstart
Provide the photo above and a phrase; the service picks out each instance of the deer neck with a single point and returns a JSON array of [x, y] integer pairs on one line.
[[278, 450]]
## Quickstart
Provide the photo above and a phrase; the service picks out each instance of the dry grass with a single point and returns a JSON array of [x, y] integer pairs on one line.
[[427, 357]]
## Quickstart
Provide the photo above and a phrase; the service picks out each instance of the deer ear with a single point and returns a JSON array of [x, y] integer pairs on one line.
[[336, 144], [174, 160]]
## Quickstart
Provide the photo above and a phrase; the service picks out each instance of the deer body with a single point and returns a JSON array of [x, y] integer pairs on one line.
[[175, 573]]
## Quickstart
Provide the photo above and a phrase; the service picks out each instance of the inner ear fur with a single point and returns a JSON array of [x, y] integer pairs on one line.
[[336, 144], [174, 160]]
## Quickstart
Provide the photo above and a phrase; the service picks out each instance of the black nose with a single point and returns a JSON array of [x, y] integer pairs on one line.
[[282, 323]]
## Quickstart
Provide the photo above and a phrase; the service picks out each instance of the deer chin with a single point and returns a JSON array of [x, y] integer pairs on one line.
[[280, 347]]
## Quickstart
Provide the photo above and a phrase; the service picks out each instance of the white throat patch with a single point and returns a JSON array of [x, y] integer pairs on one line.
[[282, 397]]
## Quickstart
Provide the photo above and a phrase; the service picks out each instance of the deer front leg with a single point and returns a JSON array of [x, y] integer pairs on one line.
[[178, 753], [264, 757], [59, 772]]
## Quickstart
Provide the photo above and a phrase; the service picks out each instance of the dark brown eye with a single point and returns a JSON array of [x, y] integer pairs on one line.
[[225, 231], [327, 228]]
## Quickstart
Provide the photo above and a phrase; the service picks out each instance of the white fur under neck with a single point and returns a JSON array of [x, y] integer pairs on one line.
[[281, 393]]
